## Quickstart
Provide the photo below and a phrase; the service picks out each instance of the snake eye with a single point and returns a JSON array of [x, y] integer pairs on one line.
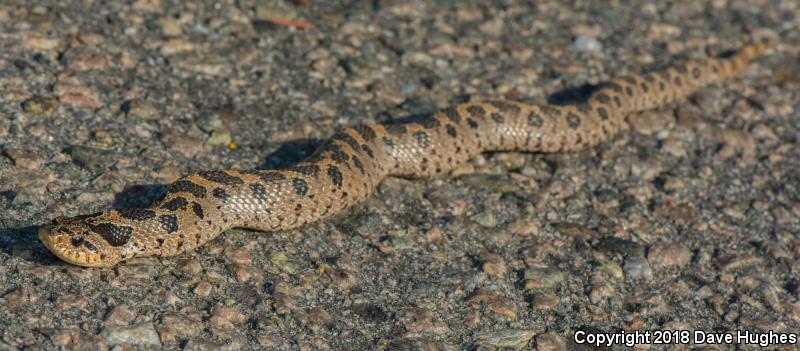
[[76, 241]]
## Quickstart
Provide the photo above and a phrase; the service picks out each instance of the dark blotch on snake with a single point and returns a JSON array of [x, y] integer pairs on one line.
[[573, 120], [452, 114], [423, 140], [358, 164], [136, 214], [221, 194], [169, 223], [366, 132], [306, 169], [115, 235], [476, 111], [534, 120], [395, 129], [259, 192], [198, 210], [188, 187], [451, 131], [220, 177], [336, 176], [497, 118], [175, 204], [430, 123], [300, 186], [347, 138]]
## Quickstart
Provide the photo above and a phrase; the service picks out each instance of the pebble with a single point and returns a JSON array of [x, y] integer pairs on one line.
[[419, 322], [524, 226], [238, 256], [120, 315], [186, 145], [40, 104], [83, 59], [282, 262], [73, 92], [586, 43], [25, 159], [485, 219], [143, 334], [341, 279], [545, 278], [550, 341], [93, 159], [140, 109], [71, 301], [224, 319], [734, 261], [509, 338], [177, 326], [669, 255], [203, 289], [637, 267], [494, 265], [546, 301]]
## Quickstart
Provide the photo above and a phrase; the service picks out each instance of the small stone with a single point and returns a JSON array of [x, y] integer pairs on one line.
[[143, 334], [140, 109], [203, 289], [238, 256], [418, 322], [434, 234], [83, 59], [546, 278], [524, 226], [72, 91], [636, 267], [120, 315], [733, 261], [246, 273], [485, 219], [40, 104], [493, 265], [25, 159], [511, 338], [220, 138], [550, 341], [70, 301], [170, 26], [669, 255], [586, 43], [176, 326], [186, 145], [341, 279], [545, 301], [225, 319], [42, 43], [674, 146], [93, 159], [279, 260], [190, 266], [504, 308], [612, 268]]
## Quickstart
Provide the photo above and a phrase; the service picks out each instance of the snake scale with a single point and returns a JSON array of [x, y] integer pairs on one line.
[[348, 167]]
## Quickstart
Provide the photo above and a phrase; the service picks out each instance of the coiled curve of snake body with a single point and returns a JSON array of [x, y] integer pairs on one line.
[[349, 166]]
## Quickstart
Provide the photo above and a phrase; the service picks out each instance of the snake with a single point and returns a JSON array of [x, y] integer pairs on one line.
[[348, 167]]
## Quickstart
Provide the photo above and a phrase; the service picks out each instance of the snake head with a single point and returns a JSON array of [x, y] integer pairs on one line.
[[78, 241]]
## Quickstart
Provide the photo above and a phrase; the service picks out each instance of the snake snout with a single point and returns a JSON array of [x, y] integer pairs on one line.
[[73, 244]]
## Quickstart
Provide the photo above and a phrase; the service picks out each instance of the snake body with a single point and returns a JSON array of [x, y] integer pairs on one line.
[[348, 167]]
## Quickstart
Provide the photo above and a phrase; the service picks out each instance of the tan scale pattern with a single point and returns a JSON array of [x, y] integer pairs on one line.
[[346, 170]]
